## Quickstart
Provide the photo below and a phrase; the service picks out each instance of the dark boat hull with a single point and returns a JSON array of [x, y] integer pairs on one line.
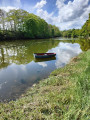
[[44, 55], [44, 59]]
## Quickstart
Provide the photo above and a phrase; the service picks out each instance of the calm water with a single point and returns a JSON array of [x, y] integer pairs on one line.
[[20, 70]]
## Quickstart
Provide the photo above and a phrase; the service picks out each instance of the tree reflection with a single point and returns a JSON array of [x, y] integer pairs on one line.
[[84, 43], [3, 61], [22, 52]]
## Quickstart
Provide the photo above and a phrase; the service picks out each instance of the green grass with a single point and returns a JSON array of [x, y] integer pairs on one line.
[[65, 95]]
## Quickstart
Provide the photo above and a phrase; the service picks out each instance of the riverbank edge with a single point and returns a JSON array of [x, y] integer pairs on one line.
[[64, 95]]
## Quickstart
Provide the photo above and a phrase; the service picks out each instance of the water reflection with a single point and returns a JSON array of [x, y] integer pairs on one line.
[[20, 70], [44, 59], [65, 51]]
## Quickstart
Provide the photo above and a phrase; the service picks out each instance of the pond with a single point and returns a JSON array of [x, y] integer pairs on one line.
[[19, 70]]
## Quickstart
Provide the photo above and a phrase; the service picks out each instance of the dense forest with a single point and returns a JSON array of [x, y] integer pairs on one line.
[[83, 32], [19, 24]]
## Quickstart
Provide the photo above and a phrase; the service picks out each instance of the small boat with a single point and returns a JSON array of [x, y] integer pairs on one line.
[[44, 55]]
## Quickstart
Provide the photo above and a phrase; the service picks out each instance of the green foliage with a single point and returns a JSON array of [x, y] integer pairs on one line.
[[31, 27], [85, 31], [2, 18], [71, 33], [17, 18], [25, 25]]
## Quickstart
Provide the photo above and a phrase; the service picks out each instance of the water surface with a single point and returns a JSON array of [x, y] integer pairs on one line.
[[20, 70]]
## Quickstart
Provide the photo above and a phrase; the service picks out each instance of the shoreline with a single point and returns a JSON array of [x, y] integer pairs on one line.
[[63, 95]]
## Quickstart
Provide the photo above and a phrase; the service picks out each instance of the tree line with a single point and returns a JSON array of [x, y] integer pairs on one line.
[[19, 24], [83, 32]]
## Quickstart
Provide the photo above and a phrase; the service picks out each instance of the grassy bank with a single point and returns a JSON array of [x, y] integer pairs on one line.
[[65, 95]]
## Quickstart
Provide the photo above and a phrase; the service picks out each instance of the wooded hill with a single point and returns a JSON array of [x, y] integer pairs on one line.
[[19, 24]]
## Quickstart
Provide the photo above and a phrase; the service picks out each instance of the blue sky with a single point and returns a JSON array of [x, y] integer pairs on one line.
[[66, 14]]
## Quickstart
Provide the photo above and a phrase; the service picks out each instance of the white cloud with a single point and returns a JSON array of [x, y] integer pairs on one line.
[[40, 4], [8, 4], [72, 10], [59, 3], [8, 8], [70, 15], [45, 15], [48, 17], [77, 23]]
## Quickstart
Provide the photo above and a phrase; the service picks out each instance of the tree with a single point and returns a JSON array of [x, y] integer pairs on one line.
[[85, 31], [2, 18], [21, 24], [16, 19]]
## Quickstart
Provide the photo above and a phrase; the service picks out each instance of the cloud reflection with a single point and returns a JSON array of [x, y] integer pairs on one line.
[[43, 64], [14, 79], [65, 51]]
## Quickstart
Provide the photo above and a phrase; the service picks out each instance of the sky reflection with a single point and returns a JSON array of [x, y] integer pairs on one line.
[[15, 79], [65, 51]]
